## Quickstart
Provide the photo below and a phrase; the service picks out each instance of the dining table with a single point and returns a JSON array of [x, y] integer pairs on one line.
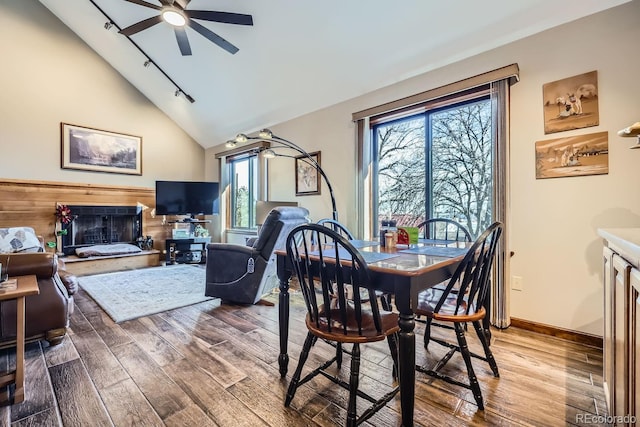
[[403, 271]]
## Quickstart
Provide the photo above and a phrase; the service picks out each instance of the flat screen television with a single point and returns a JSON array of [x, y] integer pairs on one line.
[[187, 198]]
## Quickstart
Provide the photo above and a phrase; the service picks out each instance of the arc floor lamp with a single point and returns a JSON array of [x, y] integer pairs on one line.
[[267, 135]]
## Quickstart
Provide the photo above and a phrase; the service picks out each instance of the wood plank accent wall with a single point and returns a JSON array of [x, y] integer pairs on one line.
[[33, 204]]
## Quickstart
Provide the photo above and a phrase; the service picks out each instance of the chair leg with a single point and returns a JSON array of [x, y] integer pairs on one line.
[[339, 355], [293, 385], [392, 340], [466, 355], [427, 332], [385, 302], [353, 385], [487, 350]]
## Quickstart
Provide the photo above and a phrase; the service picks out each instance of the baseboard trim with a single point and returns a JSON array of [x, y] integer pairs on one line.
[[567, 334]]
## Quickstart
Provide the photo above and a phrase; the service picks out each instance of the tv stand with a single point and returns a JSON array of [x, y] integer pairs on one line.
[[192, 223], [187, 251]]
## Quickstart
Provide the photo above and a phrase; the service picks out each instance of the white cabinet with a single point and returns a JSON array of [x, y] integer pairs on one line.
[[608, 373], [621, 368], [634, 333], [620, 359]]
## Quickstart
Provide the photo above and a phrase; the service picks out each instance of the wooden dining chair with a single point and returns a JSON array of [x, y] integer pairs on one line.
[[385, 299], [333, 317], [444, 229], [472, 277]]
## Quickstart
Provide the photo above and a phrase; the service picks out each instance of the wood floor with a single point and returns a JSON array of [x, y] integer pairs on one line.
[[216, 365]]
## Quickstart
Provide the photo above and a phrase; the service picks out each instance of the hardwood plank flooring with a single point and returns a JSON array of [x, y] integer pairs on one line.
[[213, 364]]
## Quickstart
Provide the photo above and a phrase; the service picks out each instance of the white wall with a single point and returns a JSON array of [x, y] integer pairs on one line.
[[50, 76], [553, 221]]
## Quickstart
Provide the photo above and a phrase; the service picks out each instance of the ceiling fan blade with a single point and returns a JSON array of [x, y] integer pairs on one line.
[[183, 41], [145, 4], [213, 37], [142, 25], [224, 17]]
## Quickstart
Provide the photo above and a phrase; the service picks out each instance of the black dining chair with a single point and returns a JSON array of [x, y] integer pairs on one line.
[[336, 226], [444, 229], [385, 299], [472, 278], [333, 317]]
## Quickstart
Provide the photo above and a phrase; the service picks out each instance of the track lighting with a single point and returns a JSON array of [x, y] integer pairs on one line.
[[110, 23]]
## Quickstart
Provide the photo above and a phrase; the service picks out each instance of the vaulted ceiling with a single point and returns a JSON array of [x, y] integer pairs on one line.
[[298, 56]]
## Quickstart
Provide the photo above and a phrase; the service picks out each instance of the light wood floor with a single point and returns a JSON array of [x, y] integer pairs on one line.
[[211, 364]]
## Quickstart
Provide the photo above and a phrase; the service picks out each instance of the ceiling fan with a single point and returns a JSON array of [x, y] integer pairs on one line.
[[175, 13]]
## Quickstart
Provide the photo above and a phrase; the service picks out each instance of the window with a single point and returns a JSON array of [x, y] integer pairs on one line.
[[243, 191], [436, 163]]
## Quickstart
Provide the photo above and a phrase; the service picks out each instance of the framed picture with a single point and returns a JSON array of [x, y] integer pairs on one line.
[[307, 175], [573, 156], [571, 103], [98, 150]]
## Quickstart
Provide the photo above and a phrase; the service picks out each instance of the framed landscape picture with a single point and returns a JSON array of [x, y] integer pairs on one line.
[[98, 150], [573, 156], [571, 103], [307, 176]]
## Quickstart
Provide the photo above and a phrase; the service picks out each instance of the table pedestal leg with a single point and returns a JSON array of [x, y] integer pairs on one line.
[[407, 362], [283, 307]]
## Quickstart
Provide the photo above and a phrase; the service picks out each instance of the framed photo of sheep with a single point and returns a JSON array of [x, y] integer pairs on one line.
[[571, 103], [573, 156]]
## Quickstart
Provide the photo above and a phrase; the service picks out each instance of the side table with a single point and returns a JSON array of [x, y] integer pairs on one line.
[[17, 288]]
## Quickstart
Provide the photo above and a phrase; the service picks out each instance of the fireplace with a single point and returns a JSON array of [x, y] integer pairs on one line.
[[99, 225]]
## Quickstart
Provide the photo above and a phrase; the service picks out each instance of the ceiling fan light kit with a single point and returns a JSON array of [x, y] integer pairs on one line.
[[173, 17]]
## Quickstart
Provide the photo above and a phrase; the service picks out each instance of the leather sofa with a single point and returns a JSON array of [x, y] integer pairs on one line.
[[46, 314]]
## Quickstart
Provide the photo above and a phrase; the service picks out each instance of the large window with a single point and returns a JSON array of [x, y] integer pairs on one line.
[[436, 164], [243, 191]]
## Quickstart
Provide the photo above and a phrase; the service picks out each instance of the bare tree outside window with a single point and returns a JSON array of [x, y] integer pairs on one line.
[[460, 183], [401, 171], [462, 165]]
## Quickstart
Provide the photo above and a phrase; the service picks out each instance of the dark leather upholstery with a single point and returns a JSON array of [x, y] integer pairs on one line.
[[46, 314], [243, 274]]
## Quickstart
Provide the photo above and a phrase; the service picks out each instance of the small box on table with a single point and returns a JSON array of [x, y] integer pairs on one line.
[[408, 235]]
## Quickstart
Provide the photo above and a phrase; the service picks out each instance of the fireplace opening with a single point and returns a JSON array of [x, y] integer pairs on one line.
[[99, 225]]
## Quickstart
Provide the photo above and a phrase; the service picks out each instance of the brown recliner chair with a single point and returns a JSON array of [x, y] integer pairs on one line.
[[46, 314]]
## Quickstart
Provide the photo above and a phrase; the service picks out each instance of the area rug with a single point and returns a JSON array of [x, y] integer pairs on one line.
[[130, 294]]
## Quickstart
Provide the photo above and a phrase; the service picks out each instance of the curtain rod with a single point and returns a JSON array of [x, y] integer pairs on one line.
[[512, 72]]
